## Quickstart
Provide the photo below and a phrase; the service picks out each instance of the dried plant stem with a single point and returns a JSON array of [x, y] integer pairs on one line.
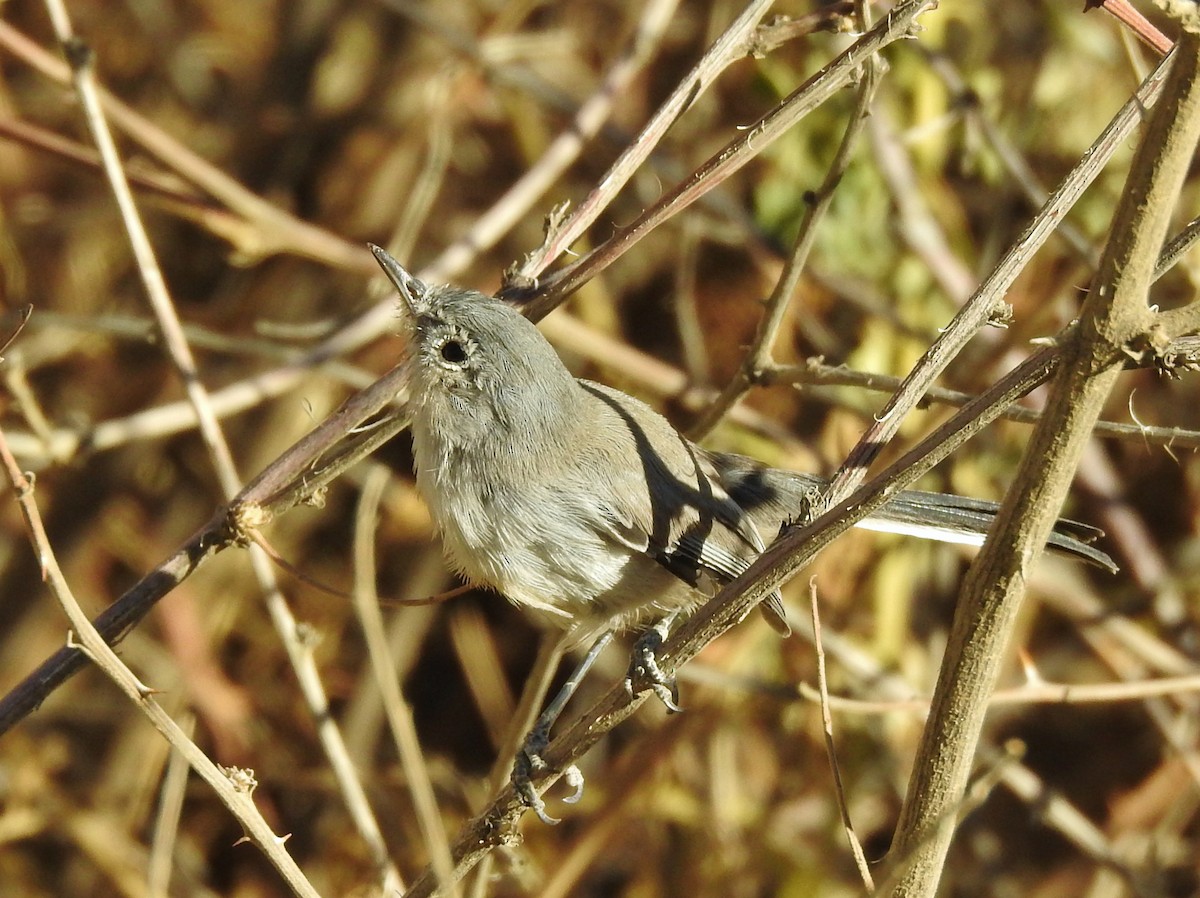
[[1030, 694], [1114, 316], [299, 652], [563, 150], [1123, 11], [856, 849], [237, 799], [39, 138], [166, 821], [734, 43], [1177, 247], [270, 230], [984, 303], [816, 373], [396, 709], [758, 357], [896, 25]]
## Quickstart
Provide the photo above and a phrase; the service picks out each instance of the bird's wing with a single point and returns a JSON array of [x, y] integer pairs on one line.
[[689, 524]]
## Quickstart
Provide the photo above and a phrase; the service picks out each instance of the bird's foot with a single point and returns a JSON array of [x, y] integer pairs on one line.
[[529, 761], [645, 672]]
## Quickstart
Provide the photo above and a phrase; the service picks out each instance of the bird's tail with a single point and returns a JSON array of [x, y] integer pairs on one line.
[[771, 496]]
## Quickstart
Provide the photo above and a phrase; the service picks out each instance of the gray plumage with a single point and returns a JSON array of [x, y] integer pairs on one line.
[[582, 503]]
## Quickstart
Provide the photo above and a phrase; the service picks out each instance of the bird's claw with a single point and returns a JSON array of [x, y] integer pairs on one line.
[[574, 778], [530, 761], [645, 672]]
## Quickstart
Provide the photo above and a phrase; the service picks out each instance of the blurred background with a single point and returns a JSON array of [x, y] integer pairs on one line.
[[403, 123]]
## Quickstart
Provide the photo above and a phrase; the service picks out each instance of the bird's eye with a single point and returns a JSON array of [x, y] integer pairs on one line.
[[454, 352]]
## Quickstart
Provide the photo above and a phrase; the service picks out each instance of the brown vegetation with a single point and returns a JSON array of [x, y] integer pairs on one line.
[[267, 143]]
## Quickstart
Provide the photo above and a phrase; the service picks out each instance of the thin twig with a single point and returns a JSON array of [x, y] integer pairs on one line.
[[1123, 12], [237, 799], [562, 152], [397, 710], [1177, 247], [816, 373], [839, 789], [985, 301], [758, 356], [897, 25], [731, 45], [1029, 694], [166, 821], [39, 138]]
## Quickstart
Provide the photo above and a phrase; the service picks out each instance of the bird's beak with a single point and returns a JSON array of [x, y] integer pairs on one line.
[[412, 290]]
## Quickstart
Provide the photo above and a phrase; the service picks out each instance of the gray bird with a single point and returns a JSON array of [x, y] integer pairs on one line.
[[582, 503], [585, 505]]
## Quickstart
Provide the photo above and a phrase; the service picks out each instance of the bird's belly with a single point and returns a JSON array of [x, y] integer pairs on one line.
[[540, 555]]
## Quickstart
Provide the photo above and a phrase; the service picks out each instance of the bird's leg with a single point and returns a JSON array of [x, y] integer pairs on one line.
[[644, 672], [529, 759]]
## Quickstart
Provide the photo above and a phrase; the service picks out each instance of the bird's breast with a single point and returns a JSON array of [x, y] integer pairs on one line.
[[534, 536]]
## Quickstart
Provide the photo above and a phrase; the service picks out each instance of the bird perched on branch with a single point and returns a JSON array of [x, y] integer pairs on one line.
[[583, 504]]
